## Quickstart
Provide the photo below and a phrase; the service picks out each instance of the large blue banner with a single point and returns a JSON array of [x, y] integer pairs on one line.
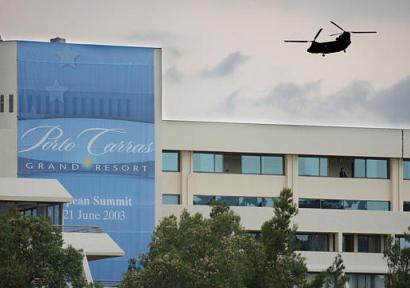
[[86, 118]]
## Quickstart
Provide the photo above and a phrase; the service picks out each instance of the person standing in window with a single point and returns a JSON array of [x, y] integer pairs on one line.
[[342, 173]]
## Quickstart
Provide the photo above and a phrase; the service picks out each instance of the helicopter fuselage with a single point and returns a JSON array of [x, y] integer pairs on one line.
[[340, 44]]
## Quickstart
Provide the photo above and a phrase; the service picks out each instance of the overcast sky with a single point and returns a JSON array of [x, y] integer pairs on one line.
[[225, 60]]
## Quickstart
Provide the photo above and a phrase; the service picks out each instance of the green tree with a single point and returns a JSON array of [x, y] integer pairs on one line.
[[398, 262], [335, 276], [31, 254], [284, 268], [197, 252]]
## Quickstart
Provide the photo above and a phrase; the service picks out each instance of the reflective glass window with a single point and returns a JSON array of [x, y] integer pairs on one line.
[[248, 201], [323, 167], [402, 242], [359, 168], [272, 165], [308, 166], [203, 200], [170, 161], [251, 164], [219, 163], [204, 162], [170, 199], [376, 168], [406, 169], [378, 205]]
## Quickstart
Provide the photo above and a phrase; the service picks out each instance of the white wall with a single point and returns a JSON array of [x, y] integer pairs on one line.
[[8, 121]]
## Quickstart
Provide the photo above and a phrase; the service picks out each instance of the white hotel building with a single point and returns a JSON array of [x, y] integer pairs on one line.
[[247, 165]]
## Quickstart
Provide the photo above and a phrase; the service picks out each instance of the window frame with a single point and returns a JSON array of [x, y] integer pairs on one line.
[[365, 167], [179, 160], [319, 158]]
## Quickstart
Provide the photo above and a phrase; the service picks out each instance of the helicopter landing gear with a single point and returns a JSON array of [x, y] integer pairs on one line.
[[323, 55], [344, 51]]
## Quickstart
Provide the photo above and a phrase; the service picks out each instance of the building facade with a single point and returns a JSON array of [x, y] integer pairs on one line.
[[352, 185]]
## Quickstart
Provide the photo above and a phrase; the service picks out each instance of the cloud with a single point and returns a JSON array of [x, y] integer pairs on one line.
[[173, 75], [227, 66], [356, 104]]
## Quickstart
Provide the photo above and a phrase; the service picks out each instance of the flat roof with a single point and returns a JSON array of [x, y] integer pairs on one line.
[[33, 190]]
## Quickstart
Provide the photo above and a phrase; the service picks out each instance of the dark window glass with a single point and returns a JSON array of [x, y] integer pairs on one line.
[[312, 242], [348, 243], [170, 199], [1, 103], [234, 200], [406, 206], [11, 103], [170, 161], [272, 165], [309, 203], [331, 204], [369, 243]]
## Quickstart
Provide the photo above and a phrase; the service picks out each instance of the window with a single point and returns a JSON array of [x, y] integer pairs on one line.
[[234, 200], [170, 161], [348, 243], [251, 164], [1, 103], [272, 165], [207, 162], [402, 242], [11, 103], [312, 242], [344, 204], [238, 163], [366, 281], [371, 168], [406, 169], [170, 199], [53, 213], [406, 206], [369, 243], [313, 166], [309, 203]]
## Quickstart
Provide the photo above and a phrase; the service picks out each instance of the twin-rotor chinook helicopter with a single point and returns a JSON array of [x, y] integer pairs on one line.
[[340, 44]]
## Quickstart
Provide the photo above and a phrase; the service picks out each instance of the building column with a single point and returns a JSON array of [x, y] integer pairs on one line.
[[339, 242], [185, 162], [291, 173]]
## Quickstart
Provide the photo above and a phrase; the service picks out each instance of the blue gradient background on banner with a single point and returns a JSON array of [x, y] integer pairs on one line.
[[71, 88]]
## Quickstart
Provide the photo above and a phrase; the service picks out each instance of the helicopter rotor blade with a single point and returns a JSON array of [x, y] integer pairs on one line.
[[334, 34], [317, 34], [297, 41], [362, 32], [337, 26]]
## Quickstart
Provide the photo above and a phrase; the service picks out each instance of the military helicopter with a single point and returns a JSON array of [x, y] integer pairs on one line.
[[340, 44]]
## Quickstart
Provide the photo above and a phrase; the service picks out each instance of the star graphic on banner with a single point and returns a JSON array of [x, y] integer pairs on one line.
[[68, 57], [56, 92], [87, 161]]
